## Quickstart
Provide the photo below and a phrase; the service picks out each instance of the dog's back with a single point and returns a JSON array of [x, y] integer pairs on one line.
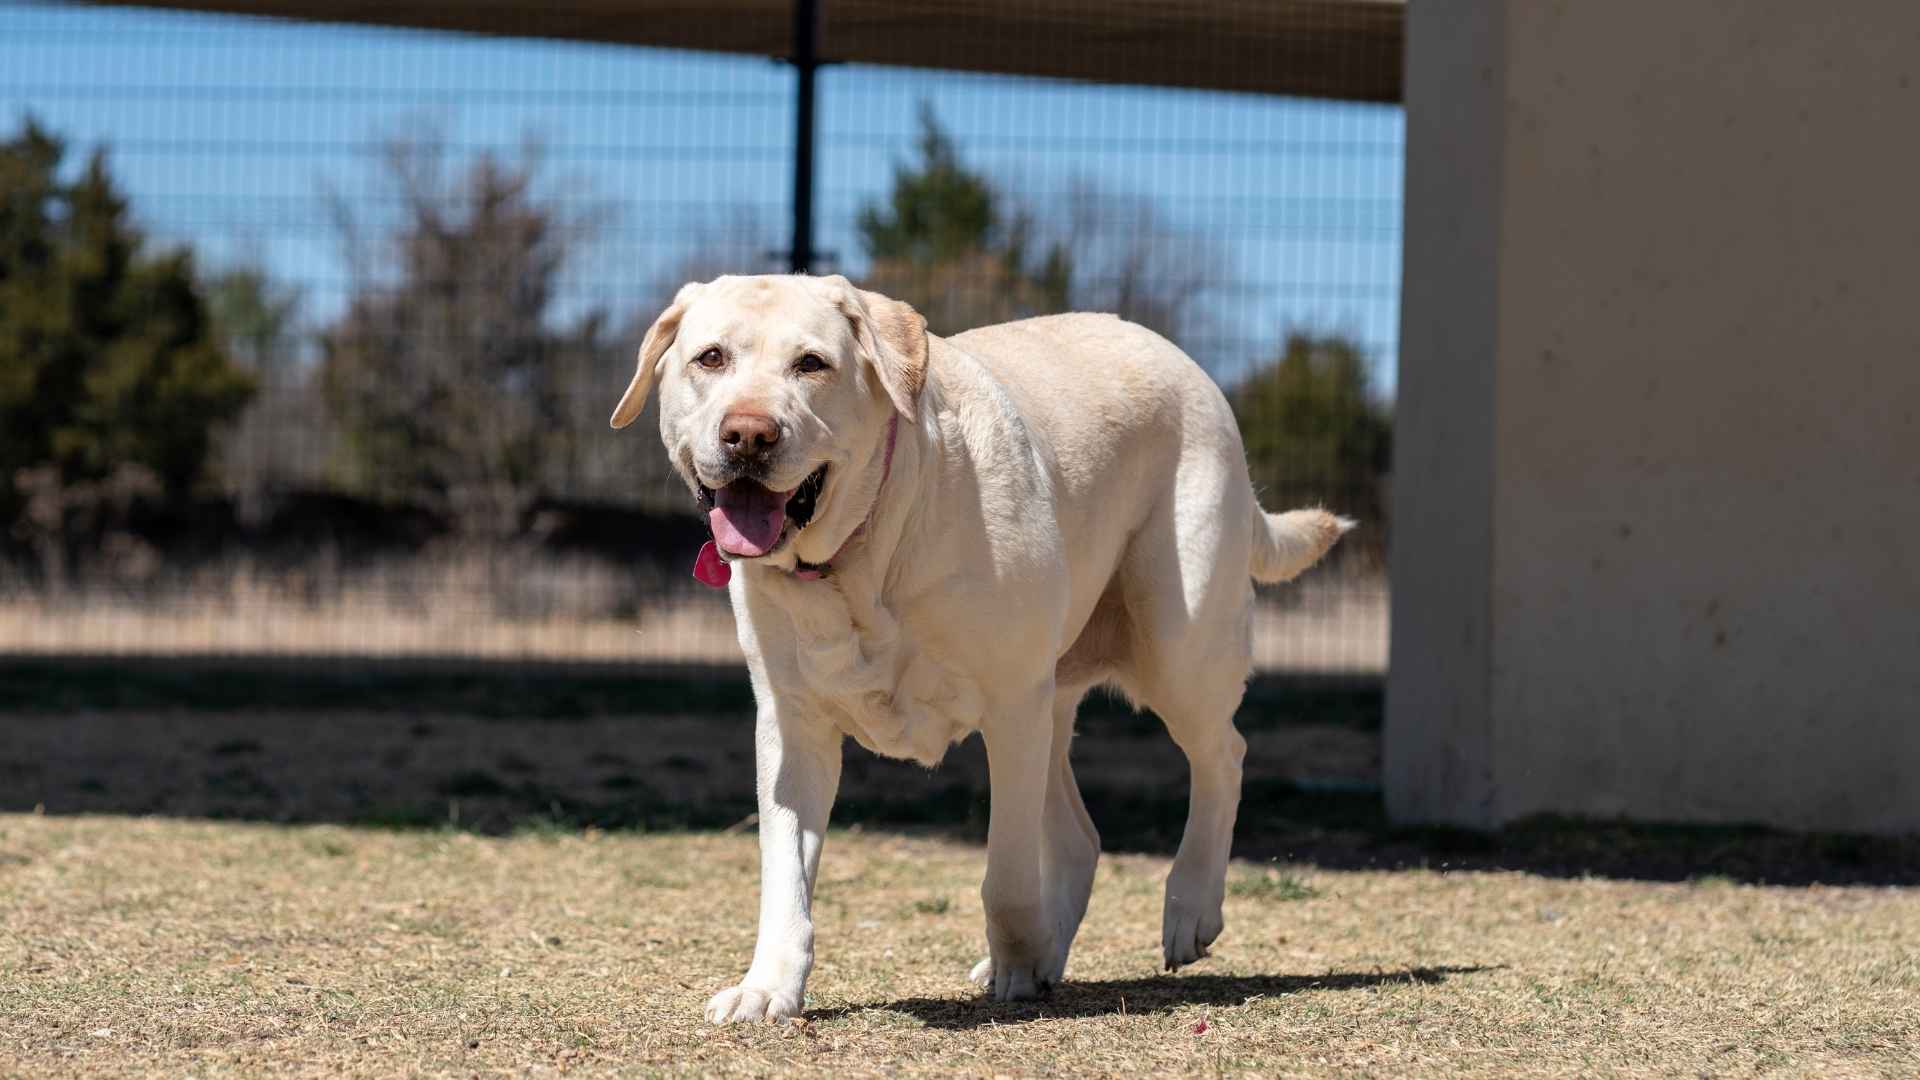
[[1129, 419]]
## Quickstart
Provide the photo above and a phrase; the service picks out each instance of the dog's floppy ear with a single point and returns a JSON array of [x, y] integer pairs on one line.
[[895, 338], [652, 348]]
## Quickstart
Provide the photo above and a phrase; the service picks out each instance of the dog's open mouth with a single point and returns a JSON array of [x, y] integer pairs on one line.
[[749, 519]]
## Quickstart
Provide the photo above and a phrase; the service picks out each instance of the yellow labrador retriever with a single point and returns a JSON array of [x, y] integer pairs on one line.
[[926, 537]]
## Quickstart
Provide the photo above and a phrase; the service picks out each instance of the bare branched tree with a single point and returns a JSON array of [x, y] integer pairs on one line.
[[280, 443], [445, 372], [1126, 257]]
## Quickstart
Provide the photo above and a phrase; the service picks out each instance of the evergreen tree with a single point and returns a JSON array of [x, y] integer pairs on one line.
[[1315, 432], [108, 360], [966, 254], [941, 243], [938, 211]]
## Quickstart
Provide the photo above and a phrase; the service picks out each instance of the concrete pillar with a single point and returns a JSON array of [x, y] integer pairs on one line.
[[1657, 478]]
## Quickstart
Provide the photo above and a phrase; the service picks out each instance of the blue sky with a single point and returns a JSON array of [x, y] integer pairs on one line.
[[226, 132]]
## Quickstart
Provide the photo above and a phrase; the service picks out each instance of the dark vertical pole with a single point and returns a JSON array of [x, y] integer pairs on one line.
[[806, 25]]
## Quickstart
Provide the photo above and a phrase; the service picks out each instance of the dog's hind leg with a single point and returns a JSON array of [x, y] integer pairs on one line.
[[1191, 610], [1196, 887]]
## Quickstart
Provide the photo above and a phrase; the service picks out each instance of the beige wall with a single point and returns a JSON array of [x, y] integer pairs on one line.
[[1657, 488]]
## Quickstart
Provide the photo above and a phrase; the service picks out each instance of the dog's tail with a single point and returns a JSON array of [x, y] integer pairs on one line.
[[1286, 544]]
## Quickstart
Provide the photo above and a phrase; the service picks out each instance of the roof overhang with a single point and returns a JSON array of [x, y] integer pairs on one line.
[[1348, 50]]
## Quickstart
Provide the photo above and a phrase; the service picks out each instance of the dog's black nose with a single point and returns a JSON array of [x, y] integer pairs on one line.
[[748, 434]]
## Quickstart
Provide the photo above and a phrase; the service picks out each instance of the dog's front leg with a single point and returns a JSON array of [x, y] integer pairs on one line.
[[1021, 959], [798, 765]]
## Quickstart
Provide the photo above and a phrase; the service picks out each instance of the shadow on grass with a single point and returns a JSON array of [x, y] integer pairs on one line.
[[520, 690], [558, 690], [500, 748], [1349, 830], [1076, 999]]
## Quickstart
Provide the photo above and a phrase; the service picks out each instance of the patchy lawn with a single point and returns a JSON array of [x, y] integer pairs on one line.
[[137, 946]]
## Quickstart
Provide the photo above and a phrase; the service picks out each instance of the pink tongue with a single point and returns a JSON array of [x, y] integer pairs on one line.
[[746, 518]]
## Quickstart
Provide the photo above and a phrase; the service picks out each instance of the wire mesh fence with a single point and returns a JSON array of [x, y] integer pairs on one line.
[[309, 332]]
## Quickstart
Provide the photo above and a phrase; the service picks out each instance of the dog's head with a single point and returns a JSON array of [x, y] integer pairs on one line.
[[774, 393]]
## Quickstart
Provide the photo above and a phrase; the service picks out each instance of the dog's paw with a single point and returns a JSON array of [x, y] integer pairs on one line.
[[1019, 982], [1187, 930], [738, 1004], [982, 973]]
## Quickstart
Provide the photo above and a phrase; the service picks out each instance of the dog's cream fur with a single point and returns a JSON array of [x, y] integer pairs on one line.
[[1067, 506]]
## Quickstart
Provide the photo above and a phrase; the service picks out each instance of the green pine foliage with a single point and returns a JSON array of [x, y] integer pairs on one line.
[[938, 211], [941, 242], [108, 359], [1316, 432]]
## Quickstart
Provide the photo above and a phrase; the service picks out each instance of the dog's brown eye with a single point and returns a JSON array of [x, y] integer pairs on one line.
[[809, 364], [711, 359]]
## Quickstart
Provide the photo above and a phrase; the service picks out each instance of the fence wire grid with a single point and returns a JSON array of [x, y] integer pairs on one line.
[[310, 332]]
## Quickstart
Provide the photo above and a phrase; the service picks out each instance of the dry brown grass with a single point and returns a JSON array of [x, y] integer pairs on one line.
[[1329, 623], [131, 946], [364, 626]]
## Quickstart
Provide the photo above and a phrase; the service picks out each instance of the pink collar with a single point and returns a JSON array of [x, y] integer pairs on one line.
[[712, 570]]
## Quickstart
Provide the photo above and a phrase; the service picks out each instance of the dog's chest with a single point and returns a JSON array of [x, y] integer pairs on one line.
[[894, 692], [929, 708]]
